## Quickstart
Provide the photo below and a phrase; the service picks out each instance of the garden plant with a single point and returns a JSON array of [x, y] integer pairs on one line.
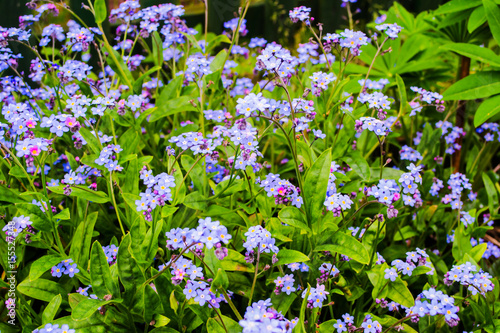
[[157, 177]]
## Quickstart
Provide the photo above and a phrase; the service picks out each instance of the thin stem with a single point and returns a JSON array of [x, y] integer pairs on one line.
[[254, 278]]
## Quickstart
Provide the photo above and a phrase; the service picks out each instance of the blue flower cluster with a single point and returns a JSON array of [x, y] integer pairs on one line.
[[392, 30], [110, 251], [457, 184], [315, 296], [157, 193], [208, 233], [13, 228], [54, 328], [466, 275], [409, 154], [434, 302], [372, 124], [66, 267], [285, 284], [260, 238], [108, 159], [261, 317], [282, 190], [414, 259]]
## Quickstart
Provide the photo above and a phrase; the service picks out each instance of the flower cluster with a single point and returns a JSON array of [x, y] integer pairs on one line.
[[159, 190], [414, 259], [110, 251], [348, 39], [208, 233], [409, 154], [282, 190], [285, 284], [374, 125], [260, 238], [466, 275], [108, 159], [457, 184], [392, 30], [315, 296], [300, 14], [261, 317], [54, 328], [434, 302], [338, 202], [16, 226], [66, 267], [320, 81]]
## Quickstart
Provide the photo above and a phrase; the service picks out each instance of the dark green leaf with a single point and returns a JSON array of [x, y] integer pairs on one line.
[[493, 15], [315, 186], [472, 51], [82, 239], [91, 140], [486, 110], [43, 264], [492, 193], [358, 163], [346, 245], [294, 217], [474, 86], [42, 289], [39, 219], [196, 201], [100, 275], [130, 274]]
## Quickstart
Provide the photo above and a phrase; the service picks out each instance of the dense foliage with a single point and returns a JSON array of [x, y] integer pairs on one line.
[[166, 179]]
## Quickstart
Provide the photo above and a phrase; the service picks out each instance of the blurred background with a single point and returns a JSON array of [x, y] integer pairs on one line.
[[265, 18]]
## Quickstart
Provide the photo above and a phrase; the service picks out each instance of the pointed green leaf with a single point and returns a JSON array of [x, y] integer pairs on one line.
[[346, 245]]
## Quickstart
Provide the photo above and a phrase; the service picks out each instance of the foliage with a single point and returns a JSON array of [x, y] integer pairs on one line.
[[166, 179]]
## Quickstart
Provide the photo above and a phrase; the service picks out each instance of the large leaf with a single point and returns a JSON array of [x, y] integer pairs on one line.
[[493, 16], [195, 200], [37, 217], [476, 19], [457, 6], [100, 275], [358, 163], [129, 272], [294, 217], [315, 186], [478, 85], [399, 293], [492, 193], [82, 239], [51, 309], [346, 245], [486, 110], [286, 256], [100, 11], [166, 106], [472, 51], [82, 192], [43, 264], [42, 289]]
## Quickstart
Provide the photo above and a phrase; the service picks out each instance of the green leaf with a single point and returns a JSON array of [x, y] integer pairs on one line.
[[129, 272], [138, 83], [100, 11], [151, 303], [346, 245], [235, 261], [315, 186], [166, 107], [214, 326], [86, 308], [399, 293], [457, 6], [102, 282], [63, 215], [195, 200], [220, 281], [286, 256], [493, 15], [42, 289], [117, 64], [157, 49], [51, 309], [197, 173], [43, 264], [8, 195], [403, 99], [476, 19], [83, 193], [472, 51], [492, 193], [294, 217], [39, 219], [301, 328], [80, 247], [91, 140], [477, 251], [358, 163], [218, 61], [478, 85], [167, 211], [486, 110]]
